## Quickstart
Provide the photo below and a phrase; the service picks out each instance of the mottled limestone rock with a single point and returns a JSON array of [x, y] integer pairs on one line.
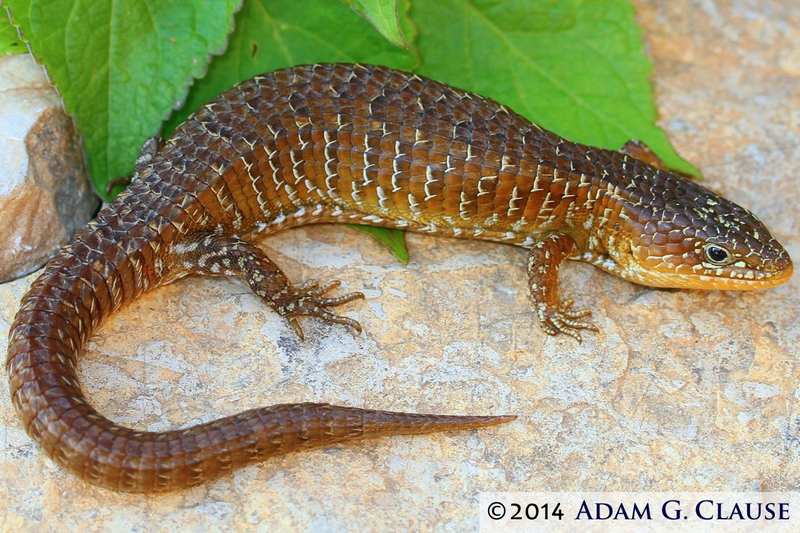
[[683, 390], [44, 191]]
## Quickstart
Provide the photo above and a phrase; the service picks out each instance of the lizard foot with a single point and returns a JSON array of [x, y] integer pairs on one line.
[[562, 319], [308, 299]]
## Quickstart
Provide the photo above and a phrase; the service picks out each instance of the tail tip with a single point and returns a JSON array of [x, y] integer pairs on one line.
[[481, 421], [501, 419]]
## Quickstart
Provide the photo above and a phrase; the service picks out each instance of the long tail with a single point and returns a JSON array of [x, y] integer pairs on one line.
[[63, 307]]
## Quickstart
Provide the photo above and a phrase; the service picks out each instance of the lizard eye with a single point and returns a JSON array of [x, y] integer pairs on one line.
[[717, 254]]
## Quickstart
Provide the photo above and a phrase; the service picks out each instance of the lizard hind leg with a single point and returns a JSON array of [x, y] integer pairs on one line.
[[220, 255]]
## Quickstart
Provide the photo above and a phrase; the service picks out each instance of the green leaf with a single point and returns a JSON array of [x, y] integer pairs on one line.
[[395, 239], [9, 38], [576, 67], [121, 66], [273, 34], [383, 15]]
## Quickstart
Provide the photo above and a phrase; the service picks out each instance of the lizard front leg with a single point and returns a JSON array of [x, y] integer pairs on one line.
[[543, 262], [220, 255]]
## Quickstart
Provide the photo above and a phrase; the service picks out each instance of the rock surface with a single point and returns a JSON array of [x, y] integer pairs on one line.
[[44, 190], [683, 390]]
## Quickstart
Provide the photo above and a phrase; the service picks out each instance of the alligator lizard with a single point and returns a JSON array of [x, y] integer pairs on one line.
[[349, 143]]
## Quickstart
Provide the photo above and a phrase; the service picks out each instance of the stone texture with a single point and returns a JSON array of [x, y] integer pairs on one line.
[[44, 190], [683, 390]]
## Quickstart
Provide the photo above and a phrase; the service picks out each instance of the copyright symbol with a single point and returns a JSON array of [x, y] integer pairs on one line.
[[497, 510]]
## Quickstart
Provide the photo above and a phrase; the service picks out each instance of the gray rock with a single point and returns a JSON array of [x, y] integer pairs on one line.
[[44, 190]]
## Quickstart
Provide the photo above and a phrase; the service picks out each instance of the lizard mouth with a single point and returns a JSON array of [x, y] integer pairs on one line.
[[744, 279], [739, 279], [688, 271]]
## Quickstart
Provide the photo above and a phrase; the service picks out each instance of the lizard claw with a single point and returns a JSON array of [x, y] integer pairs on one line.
[[295, 325], [562, 319], [308, 299]]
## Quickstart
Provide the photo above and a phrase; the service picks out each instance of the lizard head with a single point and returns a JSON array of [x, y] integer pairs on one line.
[[689, 237]]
